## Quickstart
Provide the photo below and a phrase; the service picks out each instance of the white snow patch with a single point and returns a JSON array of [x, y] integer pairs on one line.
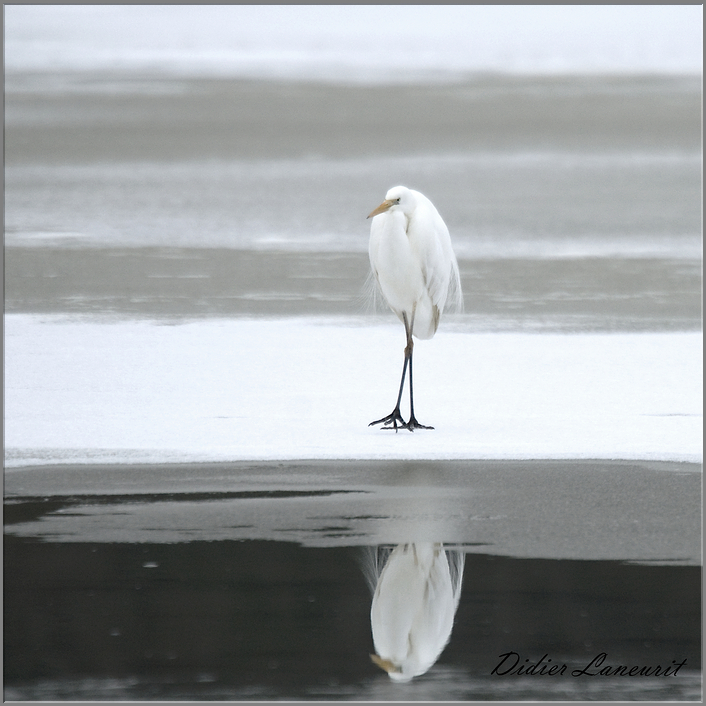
[[96, 391]]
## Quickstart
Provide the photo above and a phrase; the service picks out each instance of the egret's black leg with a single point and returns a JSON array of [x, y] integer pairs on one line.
[[413, 424], [391, 420], [395, 416]]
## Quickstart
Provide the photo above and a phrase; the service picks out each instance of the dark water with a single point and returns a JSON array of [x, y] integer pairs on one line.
[[274, 620], [247, 581]]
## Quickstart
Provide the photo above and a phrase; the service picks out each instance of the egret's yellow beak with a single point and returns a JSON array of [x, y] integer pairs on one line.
[[381, 208], [385, 663]]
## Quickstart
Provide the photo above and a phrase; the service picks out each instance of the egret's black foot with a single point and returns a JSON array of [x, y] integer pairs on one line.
[[395, 421], [413, 424], [391, 420]]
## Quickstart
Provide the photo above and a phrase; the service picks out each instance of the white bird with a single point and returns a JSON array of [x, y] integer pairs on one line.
[[414, 604], [415, 267]]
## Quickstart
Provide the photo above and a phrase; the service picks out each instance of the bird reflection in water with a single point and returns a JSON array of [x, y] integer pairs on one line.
[[416, 588]]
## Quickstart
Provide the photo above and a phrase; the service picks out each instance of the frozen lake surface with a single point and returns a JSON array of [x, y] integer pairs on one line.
[[116, 391]]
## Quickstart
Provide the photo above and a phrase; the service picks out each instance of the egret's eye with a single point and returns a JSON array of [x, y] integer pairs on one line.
[[398, 200]]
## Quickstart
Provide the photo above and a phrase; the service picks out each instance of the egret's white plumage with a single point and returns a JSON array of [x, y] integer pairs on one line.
[[415, 267], [414, 605]]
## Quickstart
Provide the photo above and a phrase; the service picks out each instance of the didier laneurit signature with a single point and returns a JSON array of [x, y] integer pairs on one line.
[[509, 665]]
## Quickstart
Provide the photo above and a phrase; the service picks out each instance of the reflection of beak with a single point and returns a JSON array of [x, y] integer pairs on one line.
[[385, 663], [381, 208]]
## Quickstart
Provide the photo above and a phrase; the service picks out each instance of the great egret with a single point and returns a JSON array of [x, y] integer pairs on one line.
[[416, 269], [414, 604]]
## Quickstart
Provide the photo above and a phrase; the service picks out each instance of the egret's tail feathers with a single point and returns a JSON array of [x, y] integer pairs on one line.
[[454, 299], [426, 319], [457, 562]]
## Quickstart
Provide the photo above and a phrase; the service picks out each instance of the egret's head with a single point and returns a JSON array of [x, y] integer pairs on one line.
[[397, 196]]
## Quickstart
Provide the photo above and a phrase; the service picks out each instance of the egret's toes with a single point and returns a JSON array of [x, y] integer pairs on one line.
[[413, 424], [390, 421]]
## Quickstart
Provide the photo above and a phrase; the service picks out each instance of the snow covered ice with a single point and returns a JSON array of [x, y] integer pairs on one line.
[[95, 390]]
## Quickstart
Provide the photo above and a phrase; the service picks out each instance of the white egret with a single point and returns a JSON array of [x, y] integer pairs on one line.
[[415, 267], [414, 605]]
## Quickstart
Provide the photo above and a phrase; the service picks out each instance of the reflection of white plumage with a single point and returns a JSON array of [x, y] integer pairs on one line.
[[415, 267], [413, 608]]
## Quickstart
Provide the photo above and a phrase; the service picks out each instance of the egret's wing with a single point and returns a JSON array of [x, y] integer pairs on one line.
[[372, 284], [396, 601], [430, 238], [434, 621]]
